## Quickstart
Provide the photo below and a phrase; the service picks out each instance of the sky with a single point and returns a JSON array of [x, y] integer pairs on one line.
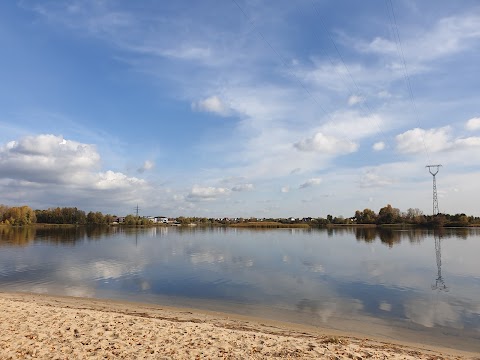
[[240, 108]]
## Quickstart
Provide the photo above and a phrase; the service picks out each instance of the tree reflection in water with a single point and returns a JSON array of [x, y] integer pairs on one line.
[[65, 235]]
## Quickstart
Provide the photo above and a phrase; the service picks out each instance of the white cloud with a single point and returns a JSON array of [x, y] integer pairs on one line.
[[32, 164], [47, 159], [450, 35], [310, 182], [116, 180], [419, 140], [199, 193], [242, 187], [147, 165], [327, 144], [285, 189], [378, 146], [372, 180], [355, 99], [212, 104], [469, 142], [352, 125], [473, 124], [434, 140]]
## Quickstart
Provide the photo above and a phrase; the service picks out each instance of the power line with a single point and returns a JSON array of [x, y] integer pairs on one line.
[[286, 65], [398, 44], [365, 103], [284, 62]]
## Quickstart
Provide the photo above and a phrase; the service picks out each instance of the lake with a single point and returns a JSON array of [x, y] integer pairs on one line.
[[416, 285]]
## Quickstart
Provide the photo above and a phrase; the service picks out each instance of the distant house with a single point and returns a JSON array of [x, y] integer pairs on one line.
[[161, 220], [120, 219]]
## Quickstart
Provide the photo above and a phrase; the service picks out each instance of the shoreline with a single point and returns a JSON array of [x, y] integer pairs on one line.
[[258, 225], [49, 326]]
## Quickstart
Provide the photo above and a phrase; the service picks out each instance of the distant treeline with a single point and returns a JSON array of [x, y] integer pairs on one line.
[[24, 215], [388, 215]]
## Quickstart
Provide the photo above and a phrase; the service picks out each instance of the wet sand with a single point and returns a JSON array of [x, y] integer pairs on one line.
[[48, 327]]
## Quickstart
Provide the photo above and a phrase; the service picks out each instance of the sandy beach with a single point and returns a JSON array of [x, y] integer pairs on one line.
[[47, 327]]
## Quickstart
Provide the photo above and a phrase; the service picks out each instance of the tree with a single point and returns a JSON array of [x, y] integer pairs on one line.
[[130, 220], [109, 218], [388, 215], [18, 215], [95, 218], [414, 216], [366, 216]]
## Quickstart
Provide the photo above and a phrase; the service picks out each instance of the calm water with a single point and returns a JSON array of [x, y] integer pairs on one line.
[[364, 280]]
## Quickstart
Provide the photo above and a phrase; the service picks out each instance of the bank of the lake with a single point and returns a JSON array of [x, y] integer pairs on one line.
[[48, 327]]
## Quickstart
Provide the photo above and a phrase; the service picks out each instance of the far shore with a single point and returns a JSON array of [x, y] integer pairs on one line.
[[251, 225], [55, 327]]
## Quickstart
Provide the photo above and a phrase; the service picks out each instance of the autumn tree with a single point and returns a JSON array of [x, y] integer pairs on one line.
[[388, 215], [366, 216], [18, 216]]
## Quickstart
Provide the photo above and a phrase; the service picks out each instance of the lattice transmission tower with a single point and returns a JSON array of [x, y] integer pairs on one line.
[[433, 169]]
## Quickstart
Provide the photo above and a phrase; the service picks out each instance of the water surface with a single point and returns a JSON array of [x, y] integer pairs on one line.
[[399, 284]]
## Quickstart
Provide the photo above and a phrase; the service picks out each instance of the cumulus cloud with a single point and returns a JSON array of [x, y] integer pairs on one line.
[[434, 140], [116, 180], [47, 159], [473, 124], [416, 140], [212, 104], [209, 193], [242, 187], [147, 165], [378, 146], [326, 144], [310, 182], [32, 164]]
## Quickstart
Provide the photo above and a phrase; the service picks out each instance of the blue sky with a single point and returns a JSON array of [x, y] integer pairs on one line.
[[239, 107]]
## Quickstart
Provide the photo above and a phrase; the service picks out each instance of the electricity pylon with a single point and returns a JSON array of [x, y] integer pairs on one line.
[[439, 282], [433, 169]]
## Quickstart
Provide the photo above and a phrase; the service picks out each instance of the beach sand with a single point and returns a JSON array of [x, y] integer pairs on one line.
[[48, 327]]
